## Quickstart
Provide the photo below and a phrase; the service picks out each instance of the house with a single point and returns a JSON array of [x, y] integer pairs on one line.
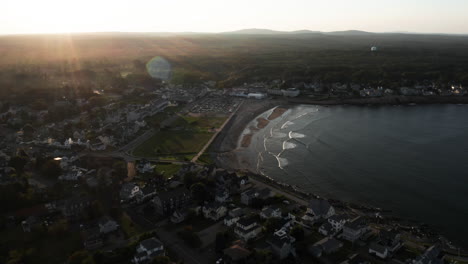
[[251, 194], [233, 216], [214, 211], [171, 200], [222, 195], [107, 225], [329, 245], [379, 250], [74, 206], [355, 229], [237, 253], [129, 191], [318, 209], [270, 212], [145, 166], [178, 216], [291, 92], [432, 255], [326, 229], [147, 193], [388, 242], [247, 228], [282, 244], [93, 241], [147, 250], [337, 222], [28, 224]]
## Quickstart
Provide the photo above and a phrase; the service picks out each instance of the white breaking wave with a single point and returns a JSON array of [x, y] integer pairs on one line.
[[288, 145], [296, 135], [282, 162], [287, 124]]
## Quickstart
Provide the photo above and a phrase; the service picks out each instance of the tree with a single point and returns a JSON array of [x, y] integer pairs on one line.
[[222, 239], [80, 257], [51, 169], [297, 232], [199, 193], [161, 260], [18, 162]]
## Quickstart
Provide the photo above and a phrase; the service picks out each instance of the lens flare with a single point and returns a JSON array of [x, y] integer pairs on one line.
[[159, 68]]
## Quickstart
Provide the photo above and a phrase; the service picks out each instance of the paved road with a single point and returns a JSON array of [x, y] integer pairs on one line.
[[208, 235]]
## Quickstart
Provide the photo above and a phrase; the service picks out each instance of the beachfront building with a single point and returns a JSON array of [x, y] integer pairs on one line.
[[318, 209]]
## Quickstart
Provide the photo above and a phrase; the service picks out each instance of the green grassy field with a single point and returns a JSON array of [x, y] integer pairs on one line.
[[173, 143], [182, 144], [168, 169]]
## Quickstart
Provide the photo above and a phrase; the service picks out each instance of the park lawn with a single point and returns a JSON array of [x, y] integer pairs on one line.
[[167, 169], [206, 121], [170, 143]]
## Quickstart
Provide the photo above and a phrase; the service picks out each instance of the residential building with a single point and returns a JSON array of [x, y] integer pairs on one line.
[[329, 245], [388, 242], [233, 216], [214, 211], [282, 244], [270, 212], [129, 191], [337, 222], [237, 253], [147, 250], [355, 229], [249, 195], [247, 228], [432, 255], [107, 225], [168, 201], [318, 209]]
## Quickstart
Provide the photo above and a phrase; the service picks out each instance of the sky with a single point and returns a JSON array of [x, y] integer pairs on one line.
[[63, 16]]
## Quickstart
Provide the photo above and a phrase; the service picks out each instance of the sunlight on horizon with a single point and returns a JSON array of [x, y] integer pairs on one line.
[[54, 16]]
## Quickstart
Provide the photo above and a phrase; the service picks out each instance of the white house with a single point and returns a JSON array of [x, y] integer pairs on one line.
[[355, 229], [129, 191], [148, 249], [337, 222], [318, 209], [247, 228], [233, 216]]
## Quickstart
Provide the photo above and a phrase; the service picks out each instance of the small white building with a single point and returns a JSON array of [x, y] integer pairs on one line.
[[257, 95]]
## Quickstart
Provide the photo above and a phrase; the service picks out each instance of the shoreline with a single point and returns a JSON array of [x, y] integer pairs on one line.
[[225, 156]]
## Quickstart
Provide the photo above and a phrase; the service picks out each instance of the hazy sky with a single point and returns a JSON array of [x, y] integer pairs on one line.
[[51, 16]]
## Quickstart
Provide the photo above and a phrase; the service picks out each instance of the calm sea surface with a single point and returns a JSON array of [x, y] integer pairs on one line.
[[412, 160]]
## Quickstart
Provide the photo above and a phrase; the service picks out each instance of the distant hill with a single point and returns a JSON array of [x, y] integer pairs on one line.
[[261, 31], [255, 31]]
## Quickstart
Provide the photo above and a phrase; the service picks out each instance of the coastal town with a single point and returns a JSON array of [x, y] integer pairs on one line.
[[134, 178]]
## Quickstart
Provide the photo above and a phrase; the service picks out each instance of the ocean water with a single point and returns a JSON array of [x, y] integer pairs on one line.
[[412, 160]]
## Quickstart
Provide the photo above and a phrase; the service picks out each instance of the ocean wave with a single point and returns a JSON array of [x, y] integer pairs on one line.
[[282, 162], [287, 124], [288, 145], [296, 135]]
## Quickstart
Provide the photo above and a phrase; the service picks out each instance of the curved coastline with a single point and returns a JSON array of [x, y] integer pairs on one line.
[[227, 157]]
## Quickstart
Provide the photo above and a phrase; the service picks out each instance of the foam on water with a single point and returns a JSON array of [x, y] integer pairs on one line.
[[282, 162], [287, 124], [288, 145], [296, 135]]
